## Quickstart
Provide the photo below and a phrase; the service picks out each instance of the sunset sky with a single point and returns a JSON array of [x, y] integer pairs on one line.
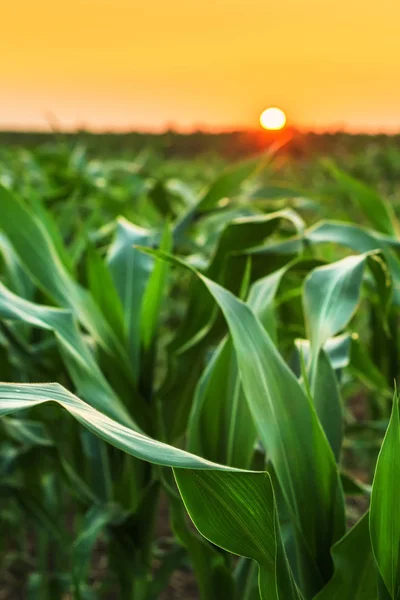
[[214, 64]]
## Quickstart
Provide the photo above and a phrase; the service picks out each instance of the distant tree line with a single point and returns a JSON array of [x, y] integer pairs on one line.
[[230, 145]]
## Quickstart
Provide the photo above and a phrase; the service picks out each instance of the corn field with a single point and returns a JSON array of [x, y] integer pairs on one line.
[[198, 368]]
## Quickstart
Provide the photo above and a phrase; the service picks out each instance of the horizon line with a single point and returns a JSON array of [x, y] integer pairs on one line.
[[56, 128]]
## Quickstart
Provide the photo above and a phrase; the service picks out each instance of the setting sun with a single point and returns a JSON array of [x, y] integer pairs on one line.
[[273, 118]]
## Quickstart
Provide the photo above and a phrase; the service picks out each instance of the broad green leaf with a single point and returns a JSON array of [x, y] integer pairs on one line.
[[15, 397], [209, 565], [264, 291], [251, 492], [200, 326], [131, 271], [286, 421], [354, 577], [221, 427], [50, 224], [326, 396], [153, 295], [102, 288], [17, 279], [356, 237], [162, 198], [361, 240], [384, 512], [261, 298], [226, 185], [330, 296], [324, 389], [178, 389], [233, 525], [332, 292], [96, 468]]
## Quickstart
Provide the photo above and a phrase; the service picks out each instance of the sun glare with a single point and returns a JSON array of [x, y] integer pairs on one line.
[[273, 119]]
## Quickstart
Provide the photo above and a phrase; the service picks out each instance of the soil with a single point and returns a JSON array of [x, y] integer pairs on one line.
[[182, 587]]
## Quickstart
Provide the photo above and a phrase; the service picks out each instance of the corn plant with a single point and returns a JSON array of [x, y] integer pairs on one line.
[[234, 416]]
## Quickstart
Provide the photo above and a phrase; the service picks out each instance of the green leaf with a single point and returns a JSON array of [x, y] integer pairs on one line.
[[235, 526], [200, 327], [252, 492], [209, 564], [82, 367], [286, 421], [17, 279], [15, 397], [356, 237], [262, 300], [355, 576], [102, 288], [331, 295], [265, 290], [131, 271], [326, 396], [50, 224], [378, 211], [153, 295], [38, 253], [221, 427], [236, 238], [359, 239], [384, 511]]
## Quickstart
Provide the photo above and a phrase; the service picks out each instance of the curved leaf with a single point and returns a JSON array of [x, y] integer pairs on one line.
[[286, 421], [83, 369], [248, 495], [384, 511], [355, 576], [232, 526]]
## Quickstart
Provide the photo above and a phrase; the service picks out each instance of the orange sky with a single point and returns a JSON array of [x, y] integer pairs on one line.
[[210, 63]]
